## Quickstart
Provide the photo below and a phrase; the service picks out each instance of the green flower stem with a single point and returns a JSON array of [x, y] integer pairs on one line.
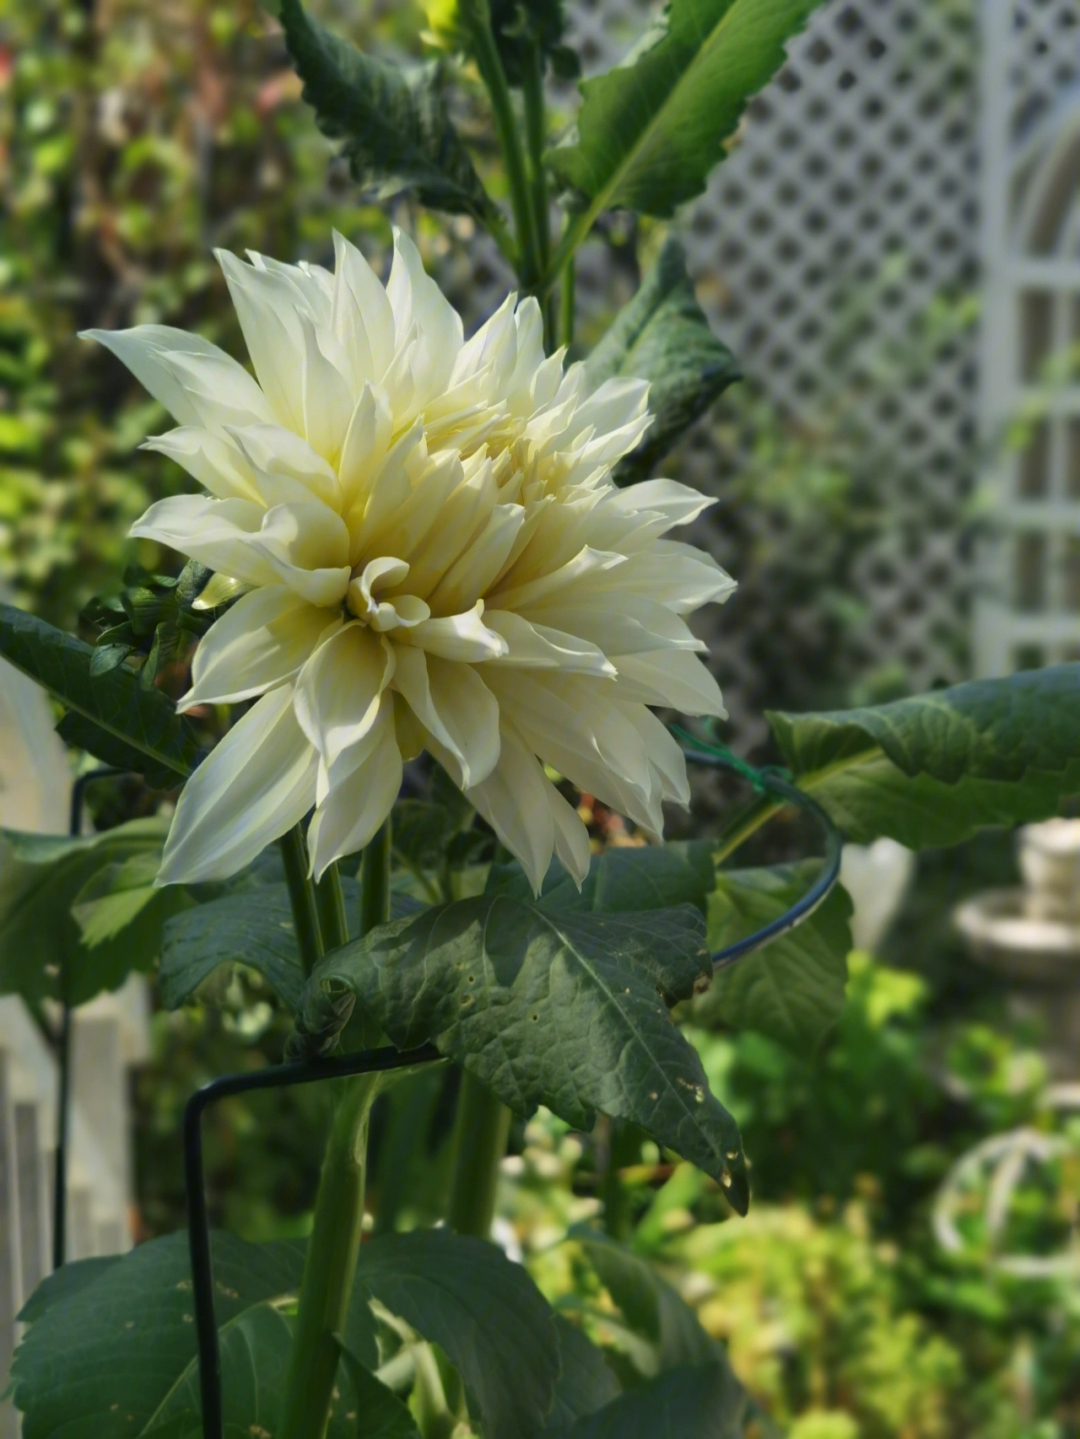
[[566, 304], [334, 1246], [302, 898], [330, 904], [489, 63], [330, 1266], [757, 813], [375, 880], [535, 125], [480, 1134]]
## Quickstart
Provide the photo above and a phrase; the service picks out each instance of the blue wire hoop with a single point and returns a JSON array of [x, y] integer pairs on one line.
[[770, 781]]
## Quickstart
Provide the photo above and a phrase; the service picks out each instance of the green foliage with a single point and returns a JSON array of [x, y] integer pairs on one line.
[[110, 1348], [552, 1006], [933, 769], [136, 726], [251, 925], [693, 1403], [652, 129], [519, 30], [483, 1311], [662, 336], [64, 934], [397, 131], [380, 1414], [793, 988]]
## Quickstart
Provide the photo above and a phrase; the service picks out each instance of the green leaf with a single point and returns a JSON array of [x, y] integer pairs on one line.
[[933, 769], [380, 1414], [793, 989], [495, 1326], [121, 893], [622, 880], [253, 926], [397, 132], [586, 1380], [704, 1402], [43, 952], [651, 1308], [139, 726], [650, 130], [110, 1351], [662, 336], [561, 1008]]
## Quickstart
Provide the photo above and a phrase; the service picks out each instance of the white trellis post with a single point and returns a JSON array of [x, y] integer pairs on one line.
[[1028, 605]]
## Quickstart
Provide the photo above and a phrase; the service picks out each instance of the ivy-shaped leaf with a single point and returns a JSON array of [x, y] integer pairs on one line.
[[553, 1007], [933, 769]]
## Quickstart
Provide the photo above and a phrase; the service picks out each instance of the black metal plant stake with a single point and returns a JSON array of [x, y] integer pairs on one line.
[[770, 781]]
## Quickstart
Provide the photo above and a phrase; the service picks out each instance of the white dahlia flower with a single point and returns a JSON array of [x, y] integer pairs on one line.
[[429, 553]]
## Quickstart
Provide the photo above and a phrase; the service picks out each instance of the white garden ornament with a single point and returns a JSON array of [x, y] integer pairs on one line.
[[429, 553]]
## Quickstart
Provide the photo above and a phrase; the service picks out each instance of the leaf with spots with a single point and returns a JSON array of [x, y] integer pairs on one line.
[[556, 1007]]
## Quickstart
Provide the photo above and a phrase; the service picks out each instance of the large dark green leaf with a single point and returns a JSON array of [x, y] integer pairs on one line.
[[662, 336], [586, 1380], [621, 880], [704, 1402], [253, 926], [652, 1310], [141, 728], [552, 1007], [394, 122], [380, 1414], [650, 130], [110, 1351], [485, 1312], [793, 989], [44, 952], [933, 769]]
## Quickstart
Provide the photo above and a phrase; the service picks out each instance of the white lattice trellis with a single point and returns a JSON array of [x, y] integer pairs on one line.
[[851, 201]]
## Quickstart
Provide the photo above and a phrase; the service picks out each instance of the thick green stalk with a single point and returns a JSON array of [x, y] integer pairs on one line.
[[535, 125], [330, 1266], [334, 1246], [489, 63], [375, 880], [566, 304], [330, 904], [480, 1134], [302, 898]]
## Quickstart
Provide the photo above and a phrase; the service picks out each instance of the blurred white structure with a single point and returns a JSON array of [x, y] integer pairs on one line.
[[107, 1036]]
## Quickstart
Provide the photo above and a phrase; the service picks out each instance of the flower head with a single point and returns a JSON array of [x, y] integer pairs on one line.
[[429, 553]]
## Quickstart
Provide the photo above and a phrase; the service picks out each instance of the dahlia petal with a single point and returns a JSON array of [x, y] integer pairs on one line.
[[586, 562], [665, 756], [462, 637], [418, 302], [676, 575], [617, 621], [366, 442], [679, 503], [285, 468], [253, 786], [220, 393], [213, 460], [533, 646], [266, 305], [571, 837], [363, 318], [214, 532], [338, 693], [514, 801], [476, 568], [307, 546], [328, 401], [456, 706], [357, 803], [261, 641], [673, 678]]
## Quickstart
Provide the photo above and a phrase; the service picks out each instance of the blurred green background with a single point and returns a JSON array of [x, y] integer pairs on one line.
[[135, 135]]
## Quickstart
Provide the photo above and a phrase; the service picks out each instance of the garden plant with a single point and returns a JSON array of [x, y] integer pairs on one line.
[[430, 599]]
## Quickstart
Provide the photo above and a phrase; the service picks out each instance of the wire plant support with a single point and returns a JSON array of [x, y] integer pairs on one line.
[[770, 782]]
